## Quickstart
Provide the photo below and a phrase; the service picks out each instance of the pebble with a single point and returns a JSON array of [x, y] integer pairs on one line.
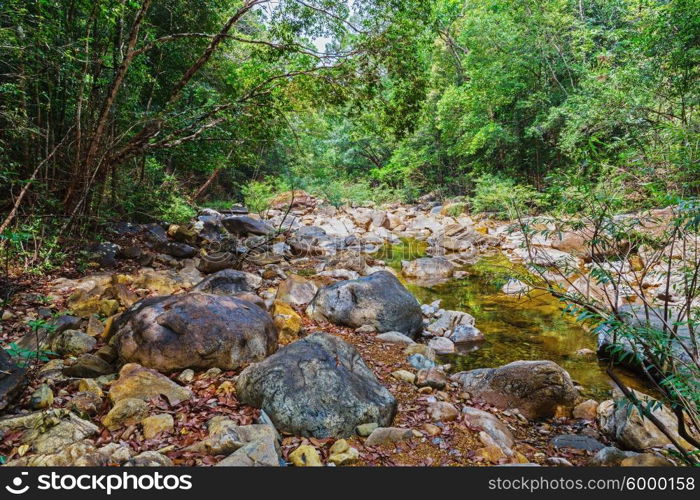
[[306, 456], [384, 435], [431, 429], [444, 412], [420, 362], [186, 376], [42, 397], [404, 376], [431, 377]]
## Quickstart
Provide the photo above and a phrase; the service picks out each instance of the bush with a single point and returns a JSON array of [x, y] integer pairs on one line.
[[340, 191], [503, 197], [257, 195], [172, 205]]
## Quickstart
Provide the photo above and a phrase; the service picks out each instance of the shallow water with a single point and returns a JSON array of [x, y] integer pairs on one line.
[[527, 327]]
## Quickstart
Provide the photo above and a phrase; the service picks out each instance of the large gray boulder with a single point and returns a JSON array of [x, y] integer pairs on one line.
[[194, 330], [318, 386], [379, 300], [536, 388]]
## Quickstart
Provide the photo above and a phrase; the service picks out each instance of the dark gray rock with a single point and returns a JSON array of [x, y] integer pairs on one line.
[[105, 254], [577, 442], [12, 378], [45, 335], [89, 366], [156, 234], [311, 233], [194, 330], [216, 261], [379, 300], [244, 225], [129, 253], [178, 250], [228, 282], [318, 386]]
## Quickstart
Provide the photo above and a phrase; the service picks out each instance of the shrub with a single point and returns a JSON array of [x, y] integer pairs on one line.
[[172, 206], [257, 195], [503, 197]]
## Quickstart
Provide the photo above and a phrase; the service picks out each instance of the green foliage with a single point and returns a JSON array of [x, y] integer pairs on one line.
[[257, 195], [34, 243], [503, 197], [655, 337], [456, 209], [24, 356], [569, 98], [172, 205]]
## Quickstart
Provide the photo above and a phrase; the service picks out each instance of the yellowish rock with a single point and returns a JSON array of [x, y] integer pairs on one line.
[[306, 456], [346, 457], [123, 294], [157, 282], [431, 429], [125, 412], [636, 263], [89, 385], [108, 328], [491, 453], [586, 410], [287, 322], [155, 424], [85, 307], [404, 376], [136, 381], [42, 397], [94, 326], [226, 388], [122, 279], [340, 446]]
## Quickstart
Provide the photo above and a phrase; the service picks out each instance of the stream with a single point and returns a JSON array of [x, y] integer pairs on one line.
[[528, 327]]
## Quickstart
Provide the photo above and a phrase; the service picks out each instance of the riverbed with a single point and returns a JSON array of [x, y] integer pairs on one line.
[[527, 327]]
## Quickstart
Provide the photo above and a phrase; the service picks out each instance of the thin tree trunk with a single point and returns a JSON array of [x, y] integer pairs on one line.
[[206, 185]]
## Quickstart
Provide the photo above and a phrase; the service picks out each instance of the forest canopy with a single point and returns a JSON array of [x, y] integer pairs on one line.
[[142, 109]]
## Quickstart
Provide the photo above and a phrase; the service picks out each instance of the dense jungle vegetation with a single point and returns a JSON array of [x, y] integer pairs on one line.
[[143, 110]]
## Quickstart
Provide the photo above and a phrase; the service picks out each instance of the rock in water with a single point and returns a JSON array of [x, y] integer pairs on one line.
[[379, 300], [428, 268], [536, 388], [318, 386], [194, 330], [11, 379]]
